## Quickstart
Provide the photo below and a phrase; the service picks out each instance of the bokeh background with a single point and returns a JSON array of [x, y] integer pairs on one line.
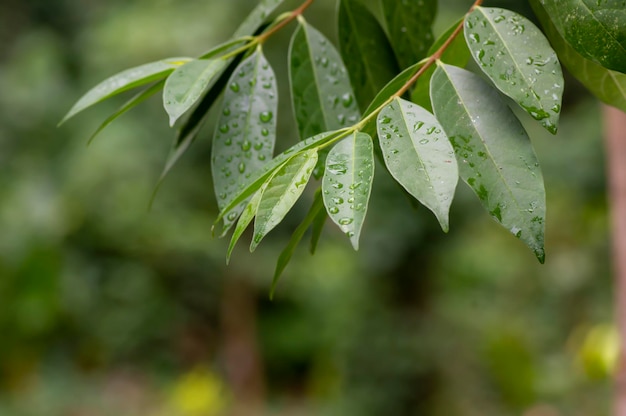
[[108, 307]]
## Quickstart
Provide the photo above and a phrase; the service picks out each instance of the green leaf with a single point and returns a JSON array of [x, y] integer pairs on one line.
[[256, 17], [609, 86], [494, 153], [246, 218], [257, 178], [322, 96], [296, 237], [225, 47], [124, 81], [283, 190], [246, 130], [365, 51], [456, 54], [518, 59], [188, 83], [347, 183], [596, 29], [316, 229], [409, 24], [419, 156], [132, 103]]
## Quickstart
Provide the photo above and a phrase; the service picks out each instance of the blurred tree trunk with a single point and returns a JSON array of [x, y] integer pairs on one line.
[[615, 125]]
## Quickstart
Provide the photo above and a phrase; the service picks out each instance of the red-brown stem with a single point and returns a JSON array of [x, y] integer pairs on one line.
[[435, 56], [294, 14]]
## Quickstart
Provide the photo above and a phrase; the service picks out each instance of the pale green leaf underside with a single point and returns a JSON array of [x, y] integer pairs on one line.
[[245, 219], [347, 183], [518, 59], [322, 96], [246, 130], [609, 86], [409, 24], [187, 84], [494, 153], [596, 29], [419, 156], [365, 51], [283, 190], [124, 81]]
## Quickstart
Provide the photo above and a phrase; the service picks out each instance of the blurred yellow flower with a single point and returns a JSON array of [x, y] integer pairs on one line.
[[199, 392]]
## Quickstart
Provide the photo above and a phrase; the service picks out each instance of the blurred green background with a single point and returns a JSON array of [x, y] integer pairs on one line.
[[107, 307]]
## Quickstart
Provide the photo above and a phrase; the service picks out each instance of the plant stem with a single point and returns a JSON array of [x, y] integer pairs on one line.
[[292, 16]]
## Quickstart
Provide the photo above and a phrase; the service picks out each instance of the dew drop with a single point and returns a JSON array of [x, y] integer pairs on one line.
[[266, 116], [333, 210], [234, 87], [346, 221], [224, 128]]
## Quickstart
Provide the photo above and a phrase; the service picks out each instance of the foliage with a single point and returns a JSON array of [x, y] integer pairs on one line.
[[470, 133]]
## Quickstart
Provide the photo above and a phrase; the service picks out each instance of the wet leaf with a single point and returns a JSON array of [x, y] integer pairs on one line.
[[246, 129], [283, 190], [124, 81], [296, 237], [596, 29], [518, 59], [456, 54], [609, 86], [322, 96], [409, 24], [419, 156], [493, 151], [186, 85], [316, 229], [365, 51], [248, 214], [347, 183], [130, 104]]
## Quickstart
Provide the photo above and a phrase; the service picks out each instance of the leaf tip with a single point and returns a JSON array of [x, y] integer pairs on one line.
[[541, 255]]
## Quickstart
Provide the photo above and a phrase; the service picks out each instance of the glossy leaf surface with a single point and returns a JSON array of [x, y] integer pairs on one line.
[[347, 183], [409, 24], [609, 86], [124, 81], [186, 85], [419, 156], [246, 130], [365, 51], [322, 96], [494, 153], [596, 29], [518, 59], [283, 190], [246, 217]]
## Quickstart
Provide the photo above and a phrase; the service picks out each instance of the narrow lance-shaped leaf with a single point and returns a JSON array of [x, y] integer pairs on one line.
[[283, 190], [124, 81], [596, 29], [456, 53], [130, 104], [518, 59], [246, 129], [322, 96], [347, 183], [188, 83], [296, 237], [257, 16], [259, 177], [419, 156], [494, 153], [609, 86], [365, 51], [409, 24]]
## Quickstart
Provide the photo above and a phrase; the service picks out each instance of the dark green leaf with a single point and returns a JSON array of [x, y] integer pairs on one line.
[[596, 29], [132, 103], [323, 99], [283, 190], [316, 229], [419, 156], [493, 151], [124, 81], [347, 183], [409, 24], [188, 83], [246, 130], [296, 237], [456, 54], [518, 59], [609, 86], [365, 50]]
